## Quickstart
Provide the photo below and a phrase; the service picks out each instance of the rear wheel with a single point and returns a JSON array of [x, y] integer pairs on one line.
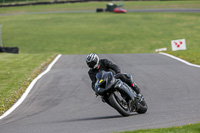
[[120, 104]]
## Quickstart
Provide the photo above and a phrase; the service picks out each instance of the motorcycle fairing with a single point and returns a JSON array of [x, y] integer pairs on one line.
[[105, 82]]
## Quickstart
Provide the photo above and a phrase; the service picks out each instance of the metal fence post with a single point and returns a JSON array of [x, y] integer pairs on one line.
[[1, 45]]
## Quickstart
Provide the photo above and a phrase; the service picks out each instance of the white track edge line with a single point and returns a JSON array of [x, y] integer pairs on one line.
[[181, 60], [29, 88]]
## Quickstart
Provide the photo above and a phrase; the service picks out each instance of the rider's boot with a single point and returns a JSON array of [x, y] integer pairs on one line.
[[137, 90], [134, 86]]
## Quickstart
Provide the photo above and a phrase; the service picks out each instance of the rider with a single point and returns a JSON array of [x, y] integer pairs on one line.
[[95, 64]]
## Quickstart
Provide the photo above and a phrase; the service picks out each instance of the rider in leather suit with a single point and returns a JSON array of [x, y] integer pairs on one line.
[[95, 64]]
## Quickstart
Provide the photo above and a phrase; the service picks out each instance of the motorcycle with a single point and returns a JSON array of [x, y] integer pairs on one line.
[[118, 94]]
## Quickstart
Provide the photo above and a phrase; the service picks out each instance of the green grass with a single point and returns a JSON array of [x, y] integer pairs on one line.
[[39, 36], [16, 73], [82, 33], [190, 56], [94, 5], [190, 128]]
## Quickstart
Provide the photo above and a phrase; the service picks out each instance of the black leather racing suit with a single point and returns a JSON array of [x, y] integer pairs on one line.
[[107, 65]]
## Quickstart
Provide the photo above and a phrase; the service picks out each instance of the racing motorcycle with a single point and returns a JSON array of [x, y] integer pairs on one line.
[[118, 94]]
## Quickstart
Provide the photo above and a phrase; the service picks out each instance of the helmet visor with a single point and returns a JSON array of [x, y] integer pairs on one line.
[[92, 64]]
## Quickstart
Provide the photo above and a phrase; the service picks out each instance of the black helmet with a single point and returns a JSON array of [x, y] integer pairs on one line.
[[92, 60]]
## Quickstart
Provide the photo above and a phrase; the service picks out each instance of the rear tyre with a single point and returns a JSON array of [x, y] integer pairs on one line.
[[122, 108]]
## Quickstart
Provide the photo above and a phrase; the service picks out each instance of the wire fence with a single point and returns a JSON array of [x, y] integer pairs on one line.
[[4, 2], [8, 3], [1, 45], [27, 1], [13, 2]]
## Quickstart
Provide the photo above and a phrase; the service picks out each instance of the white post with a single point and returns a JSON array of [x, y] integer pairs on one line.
[[1, 45]]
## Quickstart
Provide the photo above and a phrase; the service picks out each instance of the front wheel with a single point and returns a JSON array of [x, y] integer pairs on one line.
[[121, 106], [142, 106]]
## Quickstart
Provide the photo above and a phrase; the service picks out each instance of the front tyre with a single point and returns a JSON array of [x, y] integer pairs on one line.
[[142, 106], [121, 107]]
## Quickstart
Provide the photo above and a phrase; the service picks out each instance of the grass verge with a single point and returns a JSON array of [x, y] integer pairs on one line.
[[190, 128], [16, 73], [190, 56]]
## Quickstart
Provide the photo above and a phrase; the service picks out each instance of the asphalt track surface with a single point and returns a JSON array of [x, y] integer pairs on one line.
[[93, 11], [63, 102]]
